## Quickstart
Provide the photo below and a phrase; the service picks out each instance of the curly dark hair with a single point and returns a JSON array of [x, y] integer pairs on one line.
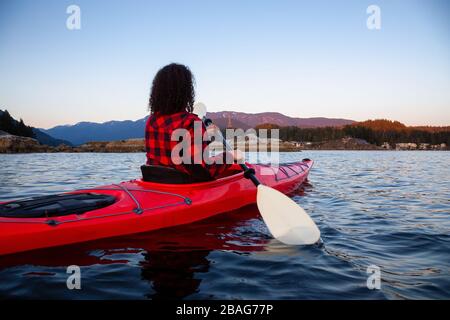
[[172, 90]]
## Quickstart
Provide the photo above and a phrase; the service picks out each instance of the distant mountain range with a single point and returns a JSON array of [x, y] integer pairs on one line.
[[83, 132], [251, 120]]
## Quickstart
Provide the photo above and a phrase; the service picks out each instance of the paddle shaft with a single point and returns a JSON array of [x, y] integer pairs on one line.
[[248, 172]]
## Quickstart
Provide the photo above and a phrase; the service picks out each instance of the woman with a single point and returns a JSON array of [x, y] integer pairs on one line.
[[171, 105]]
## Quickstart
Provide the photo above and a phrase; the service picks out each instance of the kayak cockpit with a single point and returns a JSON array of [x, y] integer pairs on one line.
[[55, 205]]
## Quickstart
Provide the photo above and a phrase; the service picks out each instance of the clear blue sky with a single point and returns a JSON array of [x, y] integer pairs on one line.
[[301, 58]]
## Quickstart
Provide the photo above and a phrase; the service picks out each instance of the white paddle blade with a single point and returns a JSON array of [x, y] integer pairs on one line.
[[285, 219], [200, 110]]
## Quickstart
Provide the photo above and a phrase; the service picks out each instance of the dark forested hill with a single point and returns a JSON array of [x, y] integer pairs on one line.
[[19, 128]]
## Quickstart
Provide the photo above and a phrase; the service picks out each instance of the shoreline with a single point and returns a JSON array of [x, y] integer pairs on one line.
[[268, 151], [11, 144]]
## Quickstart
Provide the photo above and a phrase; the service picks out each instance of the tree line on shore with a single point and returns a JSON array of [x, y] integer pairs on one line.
[[373, 131], [12, 126]]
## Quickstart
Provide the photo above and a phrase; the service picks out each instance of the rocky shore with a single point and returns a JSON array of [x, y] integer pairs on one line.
[[343, 144], [130, 145], [16, 144]]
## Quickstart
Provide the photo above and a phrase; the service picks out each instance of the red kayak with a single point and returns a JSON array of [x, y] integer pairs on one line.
[[132, 207]]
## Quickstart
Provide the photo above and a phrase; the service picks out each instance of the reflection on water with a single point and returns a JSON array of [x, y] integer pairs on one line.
[[390, 209]]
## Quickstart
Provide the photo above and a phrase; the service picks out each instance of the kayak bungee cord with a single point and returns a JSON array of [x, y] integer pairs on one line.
[[128, 191], [283, 170]]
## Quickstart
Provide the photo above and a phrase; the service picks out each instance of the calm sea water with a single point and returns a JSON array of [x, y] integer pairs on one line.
[[389, 209]]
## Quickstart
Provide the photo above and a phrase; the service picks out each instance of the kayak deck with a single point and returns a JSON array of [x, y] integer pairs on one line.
[[144, 206]]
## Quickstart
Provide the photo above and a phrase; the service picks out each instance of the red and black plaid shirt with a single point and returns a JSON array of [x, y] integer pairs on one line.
[[159, 144]]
